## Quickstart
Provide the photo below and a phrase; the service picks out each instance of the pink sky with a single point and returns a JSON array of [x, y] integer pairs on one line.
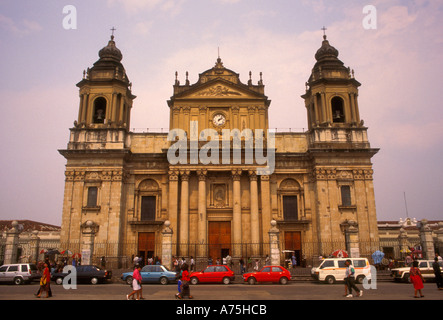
[[399, 65]]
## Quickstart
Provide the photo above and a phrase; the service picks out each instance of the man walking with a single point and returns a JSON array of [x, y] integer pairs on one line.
[[350, 279], [437, 273]]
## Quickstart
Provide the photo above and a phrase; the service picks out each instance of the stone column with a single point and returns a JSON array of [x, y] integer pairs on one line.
[[12, 236], [202, 223], [89, 230], [255, 225], [34, 244], [274, 240], [184, 213], [236, 214], [173, 201], [426, 239], [167, 245], [265, 203]]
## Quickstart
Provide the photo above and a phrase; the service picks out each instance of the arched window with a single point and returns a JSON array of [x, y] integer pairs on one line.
[[338, 110], [99, 110]]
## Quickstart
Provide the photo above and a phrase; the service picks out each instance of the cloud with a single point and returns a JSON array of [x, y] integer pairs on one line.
[[24, 28], [134, 7]]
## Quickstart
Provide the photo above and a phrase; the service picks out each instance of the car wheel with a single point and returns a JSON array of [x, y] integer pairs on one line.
[[129, 280], [164, 280], [283, 280], [18, 281], [226, 280], [406, 278], [94, 280], [360, 279], [252, 280], [330, 280], [194, 280], [59, 280]]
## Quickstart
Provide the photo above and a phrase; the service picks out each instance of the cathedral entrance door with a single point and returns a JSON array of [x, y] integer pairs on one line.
[[293, 243], [146, 245], [219, 239]]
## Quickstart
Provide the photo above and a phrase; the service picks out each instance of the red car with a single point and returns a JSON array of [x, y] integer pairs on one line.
[[268, 274], [216, 273]]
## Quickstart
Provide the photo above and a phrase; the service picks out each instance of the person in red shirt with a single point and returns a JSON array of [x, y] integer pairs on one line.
[[45, 281], [136, 283], [186, 291]]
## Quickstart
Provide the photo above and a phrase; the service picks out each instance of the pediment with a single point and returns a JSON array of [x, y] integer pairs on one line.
[[219, 89]]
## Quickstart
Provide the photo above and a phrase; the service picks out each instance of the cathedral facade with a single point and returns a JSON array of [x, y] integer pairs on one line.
[[207, 183]]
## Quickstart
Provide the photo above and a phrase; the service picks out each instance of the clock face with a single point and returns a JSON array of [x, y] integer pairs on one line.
[[218, 120]]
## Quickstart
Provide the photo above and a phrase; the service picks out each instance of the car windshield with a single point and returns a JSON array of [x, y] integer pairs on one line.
[[326, 264]]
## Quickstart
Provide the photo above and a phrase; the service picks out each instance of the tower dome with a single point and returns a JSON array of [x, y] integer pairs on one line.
[[110, 52], [326, 51]]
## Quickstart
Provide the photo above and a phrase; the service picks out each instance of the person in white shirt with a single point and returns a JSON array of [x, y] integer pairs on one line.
[[350, 279]]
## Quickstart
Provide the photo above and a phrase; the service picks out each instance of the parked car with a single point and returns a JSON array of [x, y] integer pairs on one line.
[[268, 274], [334, 269], [19, 273], [213, 274], [152, 274], [86, 273], [425, 266]]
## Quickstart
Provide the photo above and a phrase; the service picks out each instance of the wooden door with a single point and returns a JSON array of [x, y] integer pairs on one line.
[[293, 243], [219, 239], [146, 245]]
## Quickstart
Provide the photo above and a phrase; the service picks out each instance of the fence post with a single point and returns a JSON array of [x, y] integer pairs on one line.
[[426, 240], [439, 233], [167, 245], [274, 234], [89, 229], [12, 243], [352, 239]]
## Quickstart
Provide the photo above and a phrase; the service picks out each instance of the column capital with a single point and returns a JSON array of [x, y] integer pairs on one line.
[[236, 174], [264, 178], [202, 174], [173, 175], [252, 175], [184, 175]]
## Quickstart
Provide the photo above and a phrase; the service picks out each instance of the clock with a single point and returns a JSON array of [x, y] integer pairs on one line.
[[218, 120]]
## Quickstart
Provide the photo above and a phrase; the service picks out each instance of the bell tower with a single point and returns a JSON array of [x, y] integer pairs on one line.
[[105, 92], [331, 100]]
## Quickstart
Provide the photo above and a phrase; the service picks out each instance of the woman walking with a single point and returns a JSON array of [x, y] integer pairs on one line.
[[416, 279], [45, 281], [136, 283]]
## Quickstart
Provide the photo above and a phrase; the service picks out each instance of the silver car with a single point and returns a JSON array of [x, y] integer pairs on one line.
[[19, 273]]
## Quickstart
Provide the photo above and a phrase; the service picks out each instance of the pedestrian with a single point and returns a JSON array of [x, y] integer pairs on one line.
[[437, 273], [192, 264], [242, 265], [350, 279], [180, 288], [293, 261], [416, 279], [103, 262], [45, 282], [186, 291], [136, 283]]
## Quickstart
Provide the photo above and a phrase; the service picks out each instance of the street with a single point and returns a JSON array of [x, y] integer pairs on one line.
[[237, 291]]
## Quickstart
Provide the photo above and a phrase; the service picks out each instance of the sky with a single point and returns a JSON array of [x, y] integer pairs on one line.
[[399, 63]]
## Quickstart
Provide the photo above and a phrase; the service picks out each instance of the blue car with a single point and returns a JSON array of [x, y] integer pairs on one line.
[[152, 274]]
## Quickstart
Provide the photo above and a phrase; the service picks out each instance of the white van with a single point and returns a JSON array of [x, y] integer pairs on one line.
[[334, 269]]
